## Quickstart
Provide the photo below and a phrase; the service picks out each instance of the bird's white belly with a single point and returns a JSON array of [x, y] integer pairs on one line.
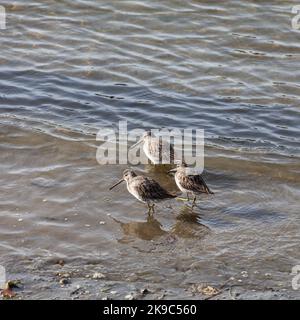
[[153, 156], [179, 185], [135, 193]]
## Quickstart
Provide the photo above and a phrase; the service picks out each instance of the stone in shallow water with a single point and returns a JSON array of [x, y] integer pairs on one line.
[[44, 183], [98, 275]]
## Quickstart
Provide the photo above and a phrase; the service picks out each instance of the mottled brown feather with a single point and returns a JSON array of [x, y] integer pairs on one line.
[[195, 183], [149, 189]]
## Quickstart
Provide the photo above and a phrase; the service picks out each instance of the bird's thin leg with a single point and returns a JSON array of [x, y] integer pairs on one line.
[[188, 197], [152, 207], [194, 201], [149, 208]]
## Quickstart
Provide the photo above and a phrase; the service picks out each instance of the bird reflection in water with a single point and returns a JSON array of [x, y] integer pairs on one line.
[[187, 225], [146, 230]]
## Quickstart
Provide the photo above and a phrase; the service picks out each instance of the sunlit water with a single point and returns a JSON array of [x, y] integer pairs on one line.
[[69, 68]]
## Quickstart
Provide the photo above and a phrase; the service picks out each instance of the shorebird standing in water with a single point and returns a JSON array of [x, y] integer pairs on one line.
[[157, 150], [189, 183], [144, 189]]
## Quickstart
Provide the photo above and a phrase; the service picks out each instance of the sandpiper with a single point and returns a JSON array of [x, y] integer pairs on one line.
[[189, 183], [144, 189], [157, 149]]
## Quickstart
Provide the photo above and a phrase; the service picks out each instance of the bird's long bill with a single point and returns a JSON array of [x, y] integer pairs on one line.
[[136, 144], [116, 184], [172, 170]]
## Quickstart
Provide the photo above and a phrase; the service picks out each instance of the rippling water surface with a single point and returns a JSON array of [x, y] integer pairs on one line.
[[68, 68]]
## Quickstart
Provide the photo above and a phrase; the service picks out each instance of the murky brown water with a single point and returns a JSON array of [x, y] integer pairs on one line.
[[70, 67]]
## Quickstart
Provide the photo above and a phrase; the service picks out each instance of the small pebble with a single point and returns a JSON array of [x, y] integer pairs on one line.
[[98, 275], [63, 281], [60, 262], [268, 274], [145, 291]]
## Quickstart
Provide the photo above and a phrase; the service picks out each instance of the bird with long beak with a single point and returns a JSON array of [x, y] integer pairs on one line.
[[191, 184], [157, 149], [144, 189]]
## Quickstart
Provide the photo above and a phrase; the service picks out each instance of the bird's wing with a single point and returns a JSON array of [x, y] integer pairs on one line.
[[150, 189], [195, 183]]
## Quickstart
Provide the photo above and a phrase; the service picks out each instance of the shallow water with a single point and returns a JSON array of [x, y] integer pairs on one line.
[[70, 68]]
